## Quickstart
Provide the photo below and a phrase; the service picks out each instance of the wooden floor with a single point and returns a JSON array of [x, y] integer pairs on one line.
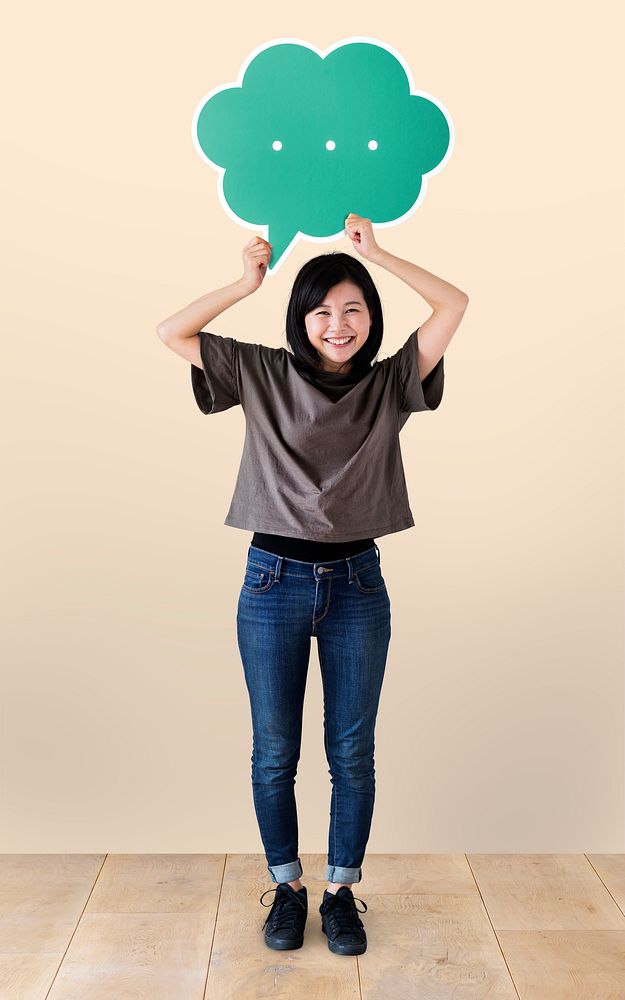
[[188, 927]]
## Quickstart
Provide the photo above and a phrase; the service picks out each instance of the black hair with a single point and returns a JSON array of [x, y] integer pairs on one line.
[[312, 282]]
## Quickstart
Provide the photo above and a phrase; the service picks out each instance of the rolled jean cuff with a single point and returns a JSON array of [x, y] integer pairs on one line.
[[346, 875], [286, 873]]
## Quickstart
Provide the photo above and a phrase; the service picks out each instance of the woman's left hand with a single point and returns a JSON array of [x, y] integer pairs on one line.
[[360, 232]]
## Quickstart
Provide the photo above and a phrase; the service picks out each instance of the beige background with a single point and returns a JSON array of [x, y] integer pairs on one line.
[[125, 718]]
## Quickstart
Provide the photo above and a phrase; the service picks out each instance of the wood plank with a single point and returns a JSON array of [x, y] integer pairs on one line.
[[147, 930], [428, 932], [136, 955], [502, 927], [544, 892], [566, 965], [561, 932], [610, 868], [42, 897]]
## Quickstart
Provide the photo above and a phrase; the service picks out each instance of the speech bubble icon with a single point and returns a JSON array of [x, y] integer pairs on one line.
[[305, 136]]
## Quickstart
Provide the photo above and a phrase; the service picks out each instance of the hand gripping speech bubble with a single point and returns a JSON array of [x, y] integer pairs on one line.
[[305, 136]]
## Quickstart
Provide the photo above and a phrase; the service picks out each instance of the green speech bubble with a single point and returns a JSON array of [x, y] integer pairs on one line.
[[307, 136]]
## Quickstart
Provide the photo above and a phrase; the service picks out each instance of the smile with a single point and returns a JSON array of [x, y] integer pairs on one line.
[[338, 341]]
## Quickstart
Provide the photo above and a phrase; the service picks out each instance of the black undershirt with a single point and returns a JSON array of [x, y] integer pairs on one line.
[[307, 549], [334, 385]]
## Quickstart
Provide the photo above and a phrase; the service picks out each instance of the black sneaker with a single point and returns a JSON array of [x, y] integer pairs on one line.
[[341, 923], [284, 926]]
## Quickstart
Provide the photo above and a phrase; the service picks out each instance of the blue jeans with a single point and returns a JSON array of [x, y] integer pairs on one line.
[[345, 605]]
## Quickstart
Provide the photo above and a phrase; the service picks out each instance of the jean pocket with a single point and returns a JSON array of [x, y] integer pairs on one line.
[[369, 579], [258, 579]]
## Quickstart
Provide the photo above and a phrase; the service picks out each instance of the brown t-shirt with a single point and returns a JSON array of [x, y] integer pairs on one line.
[[313, 467]]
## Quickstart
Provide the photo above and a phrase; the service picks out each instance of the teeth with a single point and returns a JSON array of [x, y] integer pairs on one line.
[[342, 341]]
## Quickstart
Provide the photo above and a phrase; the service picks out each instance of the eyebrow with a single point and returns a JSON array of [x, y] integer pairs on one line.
[[352, 302]]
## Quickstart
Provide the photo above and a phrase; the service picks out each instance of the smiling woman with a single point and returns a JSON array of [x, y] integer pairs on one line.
[[295, 478], [321, 475], [334, 299], [339, 326]]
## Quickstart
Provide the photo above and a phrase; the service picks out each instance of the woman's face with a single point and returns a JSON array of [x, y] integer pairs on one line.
[[342, 314]]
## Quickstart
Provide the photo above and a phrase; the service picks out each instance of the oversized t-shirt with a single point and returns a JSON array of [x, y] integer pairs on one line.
[[312, 467]]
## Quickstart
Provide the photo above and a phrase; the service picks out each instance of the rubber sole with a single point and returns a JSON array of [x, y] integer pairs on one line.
[[281, 945], [345, 949]]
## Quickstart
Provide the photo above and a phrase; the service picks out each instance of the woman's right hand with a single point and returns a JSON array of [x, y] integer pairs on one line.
[[256, 256]]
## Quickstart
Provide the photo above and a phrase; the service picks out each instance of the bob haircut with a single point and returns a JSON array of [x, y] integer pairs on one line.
[[311, 284]]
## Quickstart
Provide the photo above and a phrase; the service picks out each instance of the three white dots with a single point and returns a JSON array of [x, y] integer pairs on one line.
[[330, 144]]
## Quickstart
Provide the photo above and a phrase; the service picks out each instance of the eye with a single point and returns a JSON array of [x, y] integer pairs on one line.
[[324, 312]]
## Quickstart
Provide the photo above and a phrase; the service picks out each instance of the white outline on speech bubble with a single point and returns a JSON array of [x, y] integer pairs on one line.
[[323, 53]]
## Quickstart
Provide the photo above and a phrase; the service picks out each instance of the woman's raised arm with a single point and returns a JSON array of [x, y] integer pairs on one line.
[[189, 321]]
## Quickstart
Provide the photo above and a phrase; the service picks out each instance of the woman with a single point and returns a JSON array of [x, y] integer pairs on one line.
[[321, 476]]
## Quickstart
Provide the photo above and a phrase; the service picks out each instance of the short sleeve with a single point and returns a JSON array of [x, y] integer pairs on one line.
[[415, 394], [215, 384]]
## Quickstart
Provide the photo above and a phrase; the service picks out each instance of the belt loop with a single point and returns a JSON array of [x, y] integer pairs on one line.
[[278, 567], [350, 571], [378, 553]]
